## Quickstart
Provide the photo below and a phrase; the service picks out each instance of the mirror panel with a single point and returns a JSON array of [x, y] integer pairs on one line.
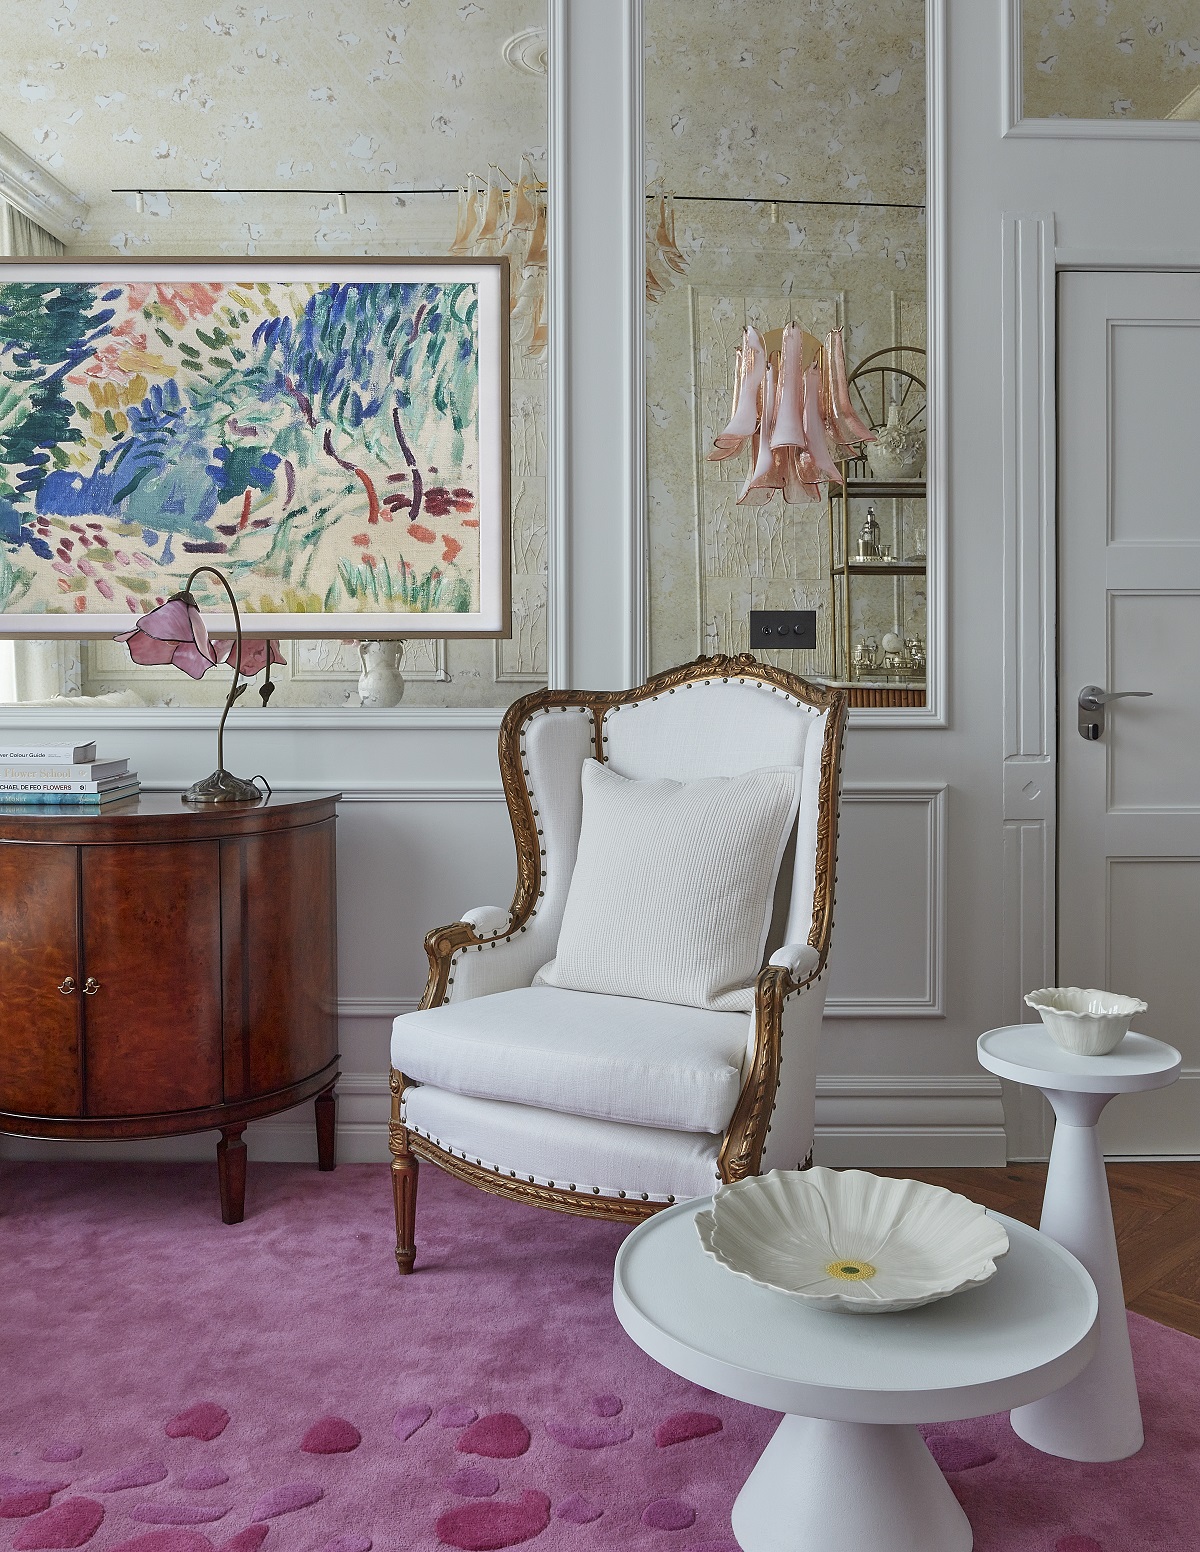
[[297, 132], [791, 144], [1110, 59]]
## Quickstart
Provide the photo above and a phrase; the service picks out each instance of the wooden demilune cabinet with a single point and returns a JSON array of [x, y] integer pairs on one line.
[[165, 969]]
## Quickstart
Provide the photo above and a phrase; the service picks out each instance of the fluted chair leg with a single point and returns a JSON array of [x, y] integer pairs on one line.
[[405, 1171]]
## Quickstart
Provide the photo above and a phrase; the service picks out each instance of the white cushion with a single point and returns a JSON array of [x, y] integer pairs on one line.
[[615, 1058], [602, 1158], [671, 895]]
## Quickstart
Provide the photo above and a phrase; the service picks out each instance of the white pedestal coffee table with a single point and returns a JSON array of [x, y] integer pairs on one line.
[[1098, 1416], [847, 1467]]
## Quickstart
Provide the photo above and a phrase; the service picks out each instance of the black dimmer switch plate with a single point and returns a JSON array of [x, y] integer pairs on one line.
[[784, 628]]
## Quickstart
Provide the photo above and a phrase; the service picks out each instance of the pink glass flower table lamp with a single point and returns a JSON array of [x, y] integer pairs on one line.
[[175, 633]]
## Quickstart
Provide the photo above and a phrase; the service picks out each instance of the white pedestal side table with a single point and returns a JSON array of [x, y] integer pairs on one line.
[[847, 1466], [1097, 1417]]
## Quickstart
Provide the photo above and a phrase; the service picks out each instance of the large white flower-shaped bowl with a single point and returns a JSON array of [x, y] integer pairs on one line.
[[1083, 1019], [848, 1240]]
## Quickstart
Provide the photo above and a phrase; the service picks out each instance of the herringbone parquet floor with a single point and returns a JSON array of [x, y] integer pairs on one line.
[[1156, 1209]]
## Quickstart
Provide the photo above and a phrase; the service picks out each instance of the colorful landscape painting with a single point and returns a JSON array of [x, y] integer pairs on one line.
[[318, 441]]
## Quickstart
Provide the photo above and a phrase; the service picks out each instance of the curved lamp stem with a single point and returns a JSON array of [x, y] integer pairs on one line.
[[222, 786]]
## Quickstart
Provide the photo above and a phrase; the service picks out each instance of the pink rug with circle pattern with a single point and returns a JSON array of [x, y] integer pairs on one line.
[[171, 1385]]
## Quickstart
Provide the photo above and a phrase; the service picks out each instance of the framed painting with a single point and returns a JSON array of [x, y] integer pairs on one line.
[[332, 436]]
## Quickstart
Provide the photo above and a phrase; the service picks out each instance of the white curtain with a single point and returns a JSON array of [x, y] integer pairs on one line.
[[33, 670], [21, 238]]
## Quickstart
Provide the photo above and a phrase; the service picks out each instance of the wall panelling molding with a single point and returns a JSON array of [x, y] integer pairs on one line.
[[909, 1119], [303, 719], [890, 921]]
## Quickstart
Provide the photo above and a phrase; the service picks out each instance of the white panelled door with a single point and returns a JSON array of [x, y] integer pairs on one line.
[[1129, 619]]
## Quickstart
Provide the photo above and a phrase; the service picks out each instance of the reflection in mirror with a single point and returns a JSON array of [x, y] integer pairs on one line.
[[1103, 59], [786, 184], [318, 672], [365, 129]]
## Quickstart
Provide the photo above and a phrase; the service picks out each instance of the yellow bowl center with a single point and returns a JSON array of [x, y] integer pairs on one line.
[[850, 1270]]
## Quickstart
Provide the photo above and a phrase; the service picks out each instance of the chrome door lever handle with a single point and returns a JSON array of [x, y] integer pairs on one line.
[[1092, 701]]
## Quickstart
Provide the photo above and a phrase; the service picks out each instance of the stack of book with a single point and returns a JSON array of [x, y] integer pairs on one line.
[[63, 775]]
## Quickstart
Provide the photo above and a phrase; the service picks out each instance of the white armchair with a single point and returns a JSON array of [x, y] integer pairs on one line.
[[614, 1106]]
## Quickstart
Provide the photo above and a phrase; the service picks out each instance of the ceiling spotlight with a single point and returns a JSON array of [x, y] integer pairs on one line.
[[343, 207], [139, 203]]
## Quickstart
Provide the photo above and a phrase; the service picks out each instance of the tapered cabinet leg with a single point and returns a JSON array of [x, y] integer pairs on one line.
[[231, 1174], [325, 1106]]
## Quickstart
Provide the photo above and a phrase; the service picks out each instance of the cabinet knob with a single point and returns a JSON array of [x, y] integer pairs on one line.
[[67, 986], [91, 986]]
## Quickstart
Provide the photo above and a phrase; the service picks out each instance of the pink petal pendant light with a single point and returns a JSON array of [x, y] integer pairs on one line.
[[767, 475], [814, 428], [847, 427], [752, 368], [788, 430]]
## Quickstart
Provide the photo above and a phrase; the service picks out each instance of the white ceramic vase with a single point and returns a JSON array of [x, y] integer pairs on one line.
[[380, 683], [898, 451]]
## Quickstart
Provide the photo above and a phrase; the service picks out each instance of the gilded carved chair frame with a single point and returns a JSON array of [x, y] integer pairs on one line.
[[742, 1146]]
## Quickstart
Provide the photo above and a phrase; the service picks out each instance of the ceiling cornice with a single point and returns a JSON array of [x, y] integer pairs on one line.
[[39, 195]]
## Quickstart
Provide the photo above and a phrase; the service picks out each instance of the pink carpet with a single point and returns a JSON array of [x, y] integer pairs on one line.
[[171, 1385]]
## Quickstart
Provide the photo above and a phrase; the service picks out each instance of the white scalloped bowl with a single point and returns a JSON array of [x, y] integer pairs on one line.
[[1083, 1020], [849, 1240]]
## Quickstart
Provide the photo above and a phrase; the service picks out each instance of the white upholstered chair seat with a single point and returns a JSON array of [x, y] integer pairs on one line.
[[565, 1152], [648, 1064]]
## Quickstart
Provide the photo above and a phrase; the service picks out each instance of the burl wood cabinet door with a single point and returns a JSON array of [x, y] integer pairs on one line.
[[152, 977], [40, 1000]]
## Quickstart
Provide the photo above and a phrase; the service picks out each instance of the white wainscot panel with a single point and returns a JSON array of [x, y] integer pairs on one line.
[[888, 940], [408, 863]]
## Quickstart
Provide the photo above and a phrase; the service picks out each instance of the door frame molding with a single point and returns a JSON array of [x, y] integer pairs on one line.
[[1029, 707], [1032, 264]]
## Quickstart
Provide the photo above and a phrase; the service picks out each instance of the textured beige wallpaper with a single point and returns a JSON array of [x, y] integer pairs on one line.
[[385, 95], [758, 103], [1099, 59]]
